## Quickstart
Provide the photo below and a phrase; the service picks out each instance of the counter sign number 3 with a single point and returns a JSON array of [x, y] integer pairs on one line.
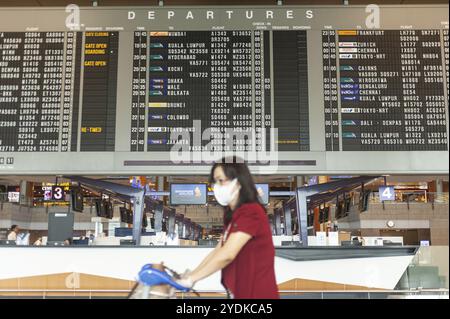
[[386, 193], [57, 193]]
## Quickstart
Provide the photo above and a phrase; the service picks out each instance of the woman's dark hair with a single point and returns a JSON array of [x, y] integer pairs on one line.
[[13, 227], [235, 167]]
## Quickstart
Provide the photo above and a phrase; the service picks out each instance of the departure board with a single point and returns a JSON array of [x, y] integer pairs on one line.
[[315, 90], [31, 85], [209, 77], [40, 87], [446, 53], [98, 119], [199, 75], [391, 86]]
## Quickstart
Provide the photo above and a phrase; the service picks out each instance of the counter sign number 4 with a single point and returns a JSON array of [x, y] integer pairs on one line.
[[386, 193]]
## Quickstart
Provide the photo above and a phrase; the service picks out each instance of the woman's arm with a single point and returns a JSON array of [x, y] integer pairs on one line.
[[209, 256], [222, 257]]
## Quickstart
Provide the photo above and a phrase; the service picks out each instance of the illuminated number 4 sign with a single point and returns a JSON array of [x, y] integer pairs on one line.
[[386, 193]]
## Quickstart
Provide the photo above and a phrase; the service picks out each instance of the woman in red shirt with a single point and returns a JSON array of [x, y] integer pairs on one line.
[[245, 253]]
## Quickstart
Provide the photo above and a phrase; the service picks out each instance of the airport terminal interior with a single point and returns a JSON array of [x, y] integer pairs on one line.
[[112, 113]]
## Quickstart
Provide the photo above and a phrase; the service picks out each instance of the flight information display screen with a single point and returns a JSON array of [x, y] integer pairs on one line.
[[120, 89], [209, 77], [40, 85], [391, 85], [31, 85]]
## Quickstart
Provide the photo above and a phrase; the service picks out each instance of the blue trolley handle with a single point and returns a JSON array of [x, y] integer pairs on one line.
[[150, 276]]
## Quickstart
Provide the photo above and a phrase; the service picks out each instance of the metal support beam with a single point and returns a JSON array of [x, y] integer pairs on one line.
[[171, 223], [439, 186], [160, 185], [302, 215], [138, 215], [300, 181], [158, 216], [277, 218], [287, 220]]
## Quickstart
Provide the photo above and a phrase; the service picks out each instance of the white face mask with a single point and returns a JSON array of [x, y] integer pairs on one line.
[[225, 194]]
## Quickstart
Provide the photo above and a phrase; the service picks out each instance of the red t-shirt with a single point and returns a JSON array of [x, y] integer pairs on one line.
[[251, 275]]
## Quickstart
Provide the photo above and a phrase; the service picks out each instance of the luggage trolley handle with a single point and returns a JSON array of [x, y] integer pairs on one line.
[[178, 276], [149, 276]]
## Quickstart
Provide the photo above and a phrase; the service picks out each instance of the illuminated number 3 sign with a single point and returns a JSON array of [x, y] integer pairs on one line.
[[58, 193]]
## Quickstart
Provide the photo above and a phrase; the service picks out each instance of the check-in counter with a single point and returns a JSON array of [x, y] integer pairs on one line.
[[108, 267]]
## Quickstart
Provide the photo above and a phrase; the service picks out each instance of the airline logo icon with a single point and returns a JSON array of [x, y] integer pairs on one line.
[[157, 129], [156, 57], [157, 69], [350, 110], [349, 92], [159, 34], [349, 135], [347, 80], [157, 142], [347, 32], [156, 45], [157, 81], [348, 44], [156, 117], [346, 68], [348, 50], [349, 86], [348, 56], [156, 104]]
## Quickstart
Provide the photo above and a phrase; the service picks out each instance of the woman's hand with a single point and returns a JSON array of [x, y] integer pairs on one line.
[[185, 281], [186, 273]]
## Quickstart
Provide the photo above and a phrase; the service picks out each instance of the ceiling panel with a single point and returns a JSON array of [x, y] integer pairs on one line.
[[10, 3], [63, 3], [21, 3], [425, 2], [219, 2]]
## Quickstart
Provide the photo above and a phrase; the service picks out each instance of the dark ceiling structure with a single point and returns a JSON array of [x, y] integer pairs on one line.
[[131, 3]]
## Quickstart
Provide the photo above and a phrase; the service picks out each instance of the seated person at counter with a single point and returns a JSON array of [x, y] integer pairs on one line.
[[68, 242], [13, 231], [245, 254], [38, 242], [358, 241]]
